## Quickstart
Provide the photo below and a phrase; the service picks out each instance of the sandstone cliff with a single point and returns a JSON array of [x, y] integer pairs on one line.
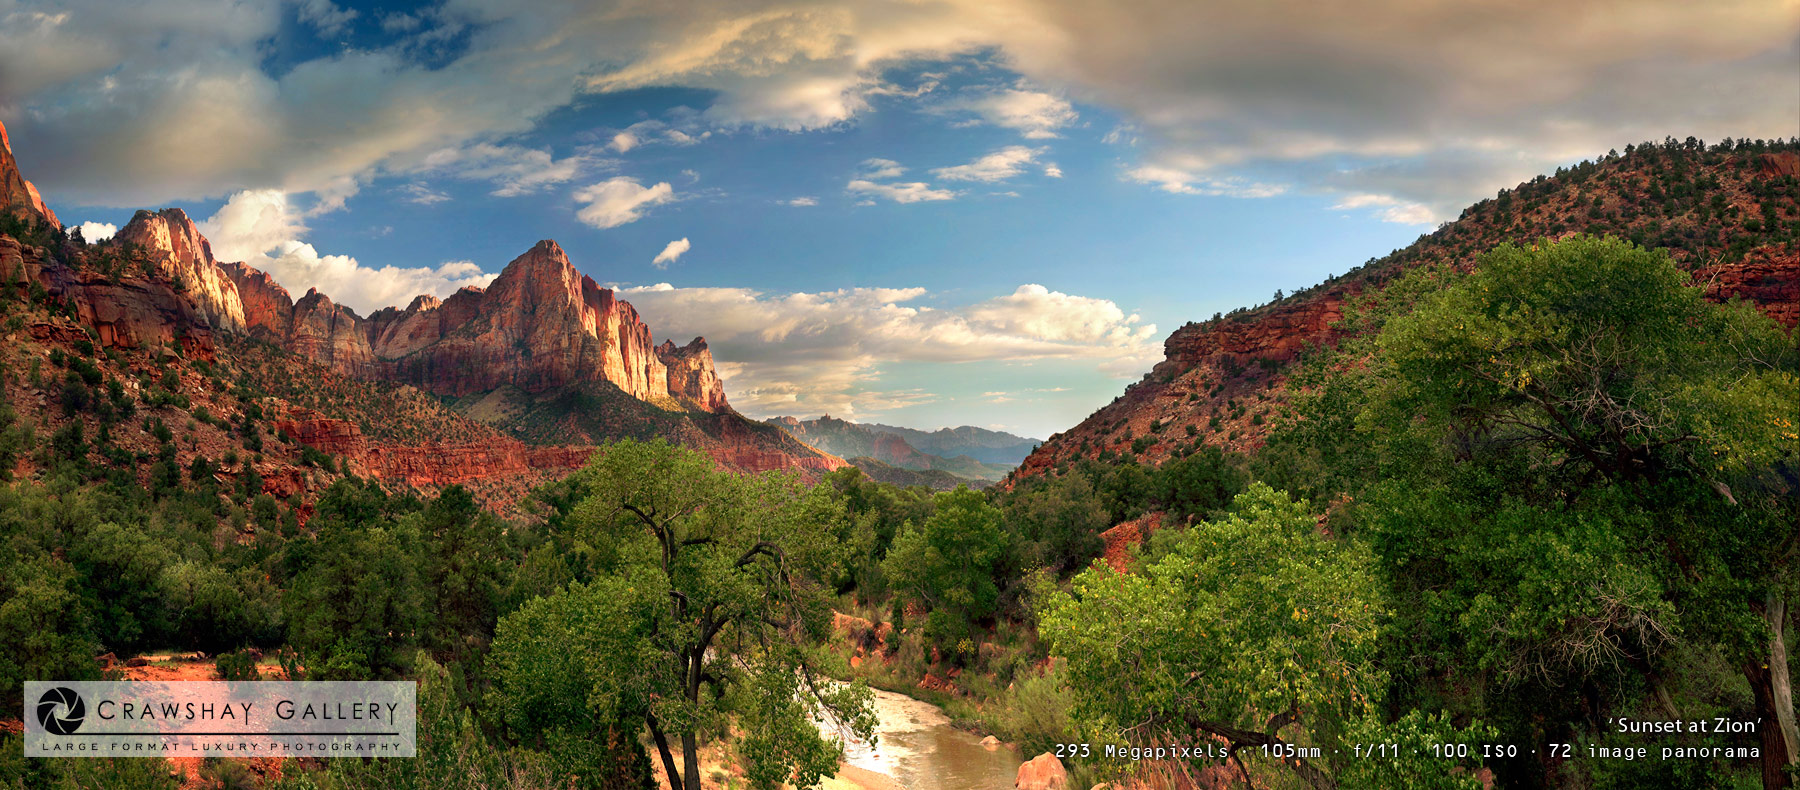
[[180, 255], [18, 196], [540, 326], [430, 464], [129, 312]]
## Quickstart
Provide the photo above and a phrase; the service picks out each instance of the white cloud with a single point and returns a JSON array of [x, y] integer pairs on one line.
[[802, 201], [96, 231], [325, 15], [685, 132], [1187, 182], [910, 192], [262, 228], [1035, 114], [422, 195], [997, 166], [1392, 209], [671, 253], [881, 168], [619, 200], [1051, 170], [1431, 106], [513, 169], [811, 353], [399, 23]]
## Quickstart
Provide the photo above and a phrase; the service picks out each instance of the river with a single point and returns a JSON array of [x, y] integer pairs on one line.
[[918, 748]]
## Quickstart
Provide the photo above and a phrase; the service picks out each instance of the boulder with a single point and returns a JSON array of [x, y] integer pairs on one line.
[[1043, 772]]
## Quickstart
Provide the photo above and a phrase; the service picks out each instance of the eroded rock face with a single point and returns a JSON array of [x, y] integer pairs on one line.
[[132, 312], [692, 378], [430, 464], [1279, 335], [184, 258], [1768, 277], [331, 335], [17, 195], [267, 306], [541, 325]]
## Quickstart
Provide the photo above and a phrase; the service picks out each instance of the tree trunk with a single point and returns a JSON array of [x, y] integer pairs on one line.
[[690, 758], [1775, 701], [672, 776]]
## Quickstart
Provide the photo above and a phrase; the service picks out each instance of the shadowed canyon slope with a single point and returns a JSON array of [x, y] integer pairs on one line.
[[1731, 217]]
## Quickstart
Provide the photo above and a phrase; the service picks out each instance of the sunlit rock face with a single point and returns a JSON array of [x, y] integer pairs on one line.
[[18, 196]]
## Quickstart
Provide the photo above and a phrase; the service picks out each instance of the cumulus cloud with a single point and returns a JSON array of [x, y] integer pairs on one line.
[[812, 353], [263, 228], [619, 200], [1035, 114], [803, 200], [671, 253], [1051, 170], [997, 166], [908, 192], [96, 231]]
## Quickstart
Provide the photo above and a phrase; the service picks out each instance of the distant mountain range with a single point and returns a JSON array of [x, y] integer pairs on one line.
[[950, 456], [981, 444]]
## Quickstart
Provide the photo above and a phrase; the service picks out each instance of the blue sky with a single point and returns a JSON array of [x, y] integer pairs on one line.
[[922, 213]]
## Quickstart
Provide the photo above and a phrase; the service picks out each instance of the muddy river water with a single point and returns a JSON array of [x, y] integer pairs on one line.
[[919, 749]]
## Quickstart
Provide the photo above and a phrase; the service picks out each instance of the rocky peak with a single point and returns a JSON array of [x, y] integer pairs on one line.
[[424, 302], [183, 256], [267, 305], [692, 377], [18, 196]]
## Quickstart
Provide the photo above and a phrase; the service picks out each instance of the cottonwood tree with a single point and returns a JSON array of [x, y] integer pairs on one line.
[[705, 608], [1255, 629], [1586, 463], [949, 565]]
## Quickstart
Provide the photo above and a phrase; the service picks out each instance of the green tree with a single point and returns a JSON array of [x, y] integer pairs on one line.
[[1587, 463], [1253, 628], [1198, 485], [465, 571], [355, 607], [716, 588], [948, 565], [571, 676], [1059, 522]]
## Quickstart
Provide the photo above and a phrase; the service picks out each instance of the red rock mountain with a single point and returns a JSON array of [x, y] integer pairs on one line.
[[184, 257], [1730, 215], [17, 196], [540, 326], [542, 336]]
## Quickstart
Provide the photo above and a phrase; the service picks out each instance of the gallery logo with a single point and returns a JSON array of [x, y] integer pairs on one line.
[[61, 710]]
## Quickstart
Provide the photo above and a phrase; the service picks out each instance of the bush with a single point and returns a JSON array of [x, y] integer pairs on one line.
[[239, 665]]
